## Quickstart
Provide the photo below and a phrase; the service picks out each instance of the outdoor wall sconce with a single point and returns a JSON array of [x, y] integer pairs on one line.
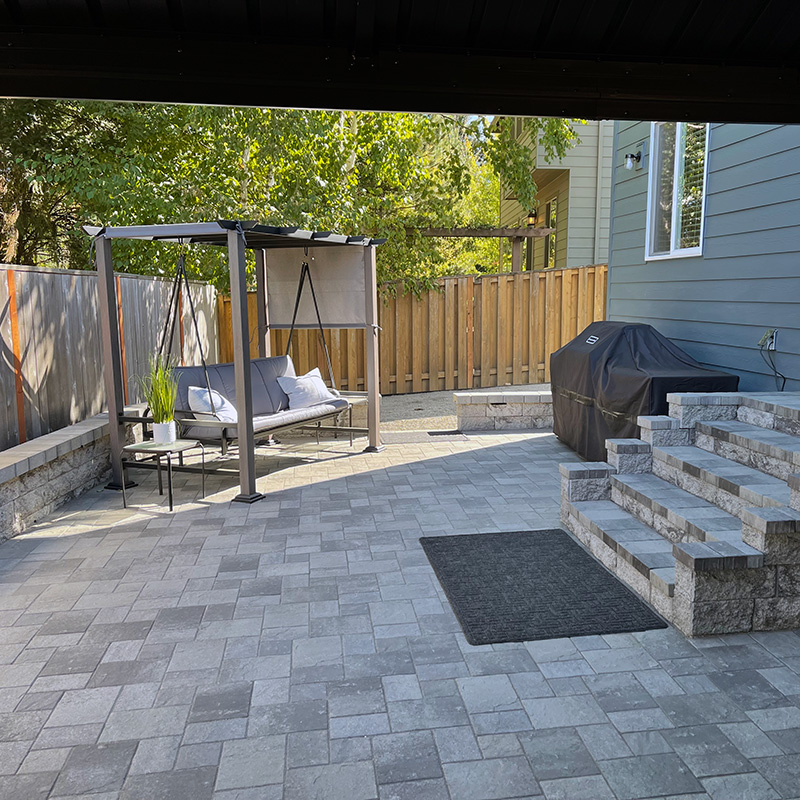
[[632, 158], [530, 220]]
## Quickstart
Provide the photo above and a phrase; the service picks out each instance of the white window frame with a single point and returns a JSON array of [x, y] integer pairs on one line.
[[674, 252]]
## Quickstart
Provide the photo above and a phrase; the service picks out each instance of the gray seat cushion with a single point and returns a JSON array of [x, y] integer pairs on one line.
[[270, 403], [268, 397], [298, 415]]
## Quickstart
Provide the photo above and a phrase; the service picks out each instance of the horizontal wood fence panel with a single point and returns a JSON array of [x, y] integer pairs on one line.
[[473, 331], [50, 349]]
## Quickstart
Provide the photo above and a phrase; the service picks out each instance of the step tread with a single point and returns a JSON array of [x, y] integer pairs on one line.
[[709, 521], [748, 483], [762, 440], [639, 545], [784, 404]]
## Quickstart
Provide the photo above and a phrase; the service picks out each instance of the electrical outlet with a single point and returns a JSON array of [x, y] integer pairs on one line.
[[767, 339], [773, 342]]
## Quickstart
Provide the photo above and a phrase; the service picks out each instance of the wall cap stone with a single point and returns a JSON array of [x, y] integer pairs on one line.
[[483, 398], [23, 458], [586, 470], [627, 446], [704, 399], [772, 519]]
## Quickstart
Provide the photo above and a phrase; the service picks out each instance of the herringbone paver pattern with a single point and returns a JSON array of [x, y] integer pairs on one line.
[[301, 648]]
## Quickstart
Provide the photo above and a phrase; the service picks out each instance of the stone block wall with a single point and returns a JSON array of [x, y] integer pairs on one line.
[[503, 411], [39, 476]]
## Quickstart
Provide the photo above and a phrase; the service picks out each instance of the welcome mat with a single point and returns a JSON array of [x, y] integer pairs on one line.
[[517, 587]]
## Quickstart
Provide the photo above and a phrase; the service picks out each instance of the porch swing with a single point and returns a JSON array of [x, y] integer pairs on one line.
[[252, 403], [208, 415]]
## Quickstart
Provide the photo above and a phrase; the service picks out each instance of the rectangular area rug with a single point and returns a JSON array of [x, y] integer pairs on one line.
[[517, 587]]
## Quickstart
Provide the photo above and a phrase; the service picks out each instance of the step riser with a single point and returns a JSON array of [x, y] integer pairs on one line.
[[777, 467], [627, 573], [703, 488], [768, 420]]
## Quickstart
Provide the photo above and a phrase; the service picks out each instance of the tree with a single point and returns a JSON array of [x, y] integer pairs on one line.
[[65, 164]]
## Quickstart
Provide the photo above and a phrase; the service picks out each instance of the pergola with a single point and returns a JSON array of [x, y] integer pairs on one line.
[[346, 289]]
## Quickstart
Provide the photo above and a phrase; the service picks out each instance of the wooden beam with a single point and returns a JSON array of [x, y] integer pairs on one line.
[[489, 233], [516, 254]]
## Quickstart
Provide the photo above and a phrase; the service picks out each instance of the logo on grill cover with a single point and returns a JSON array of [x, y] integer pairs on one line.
[[592, 340]]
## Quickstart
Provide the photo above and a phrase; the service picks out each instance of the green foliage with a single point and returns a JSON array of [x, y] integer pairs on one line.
[[64, 164], [160, 390]]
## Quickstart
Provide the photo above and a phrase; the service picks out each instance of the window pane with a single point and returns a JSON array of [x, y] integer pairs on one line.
[[662, 196], [690, 186]]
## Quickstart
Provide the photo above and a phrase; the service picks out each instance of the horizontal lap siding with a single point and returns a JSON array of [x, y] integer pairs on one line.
[[717, 306], [574, 183]]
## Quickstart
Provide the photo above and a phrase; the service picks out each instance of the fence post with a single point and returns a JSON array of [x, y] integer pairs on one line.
[[17, 356]]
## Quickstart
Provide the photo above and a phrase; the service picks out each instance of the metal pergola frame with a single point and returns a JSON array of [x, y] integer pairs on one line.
[[237, 236]]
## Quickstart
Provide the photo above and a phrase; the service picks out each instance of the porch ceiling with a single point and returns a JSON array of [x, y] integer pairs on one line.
[[588, 58]]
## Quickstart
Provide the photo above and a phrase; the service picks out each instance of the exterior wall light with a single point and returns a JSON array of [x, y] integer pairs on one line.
[[632, 158], [530, 220]]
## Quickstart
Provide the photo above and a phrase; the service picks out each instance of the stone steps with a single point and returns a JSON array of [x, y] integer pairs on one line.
[[778, 411], [764, 449], [672, 512], [633, 551], [728, 484], [717, 481]]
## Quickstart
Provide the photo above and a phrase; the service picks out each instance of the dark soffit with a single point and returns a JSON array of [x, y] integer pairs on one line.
[[736, 61]]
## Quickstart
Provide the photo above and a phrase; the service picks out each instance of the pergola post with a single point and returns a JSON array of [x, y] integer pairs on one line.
[[112, 358], [371, 319], [241, 369], [264, 348], [516, 254]]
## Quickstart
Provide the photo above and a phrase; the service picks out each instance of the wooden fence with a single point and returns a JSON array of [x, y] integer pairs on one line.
[[475, 331], [51, 369]]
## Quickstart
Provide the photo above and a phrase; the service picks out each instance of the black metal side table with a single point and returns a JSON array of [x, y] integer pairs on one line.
[[155, 452]]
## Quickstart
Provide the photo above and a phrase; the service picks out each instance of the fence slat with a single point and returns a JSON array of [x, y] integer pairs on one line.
[[470, 331]]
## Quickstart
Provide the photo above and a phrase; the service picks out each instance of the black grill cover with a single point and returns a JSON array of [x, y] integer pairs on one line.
[[614, 372]]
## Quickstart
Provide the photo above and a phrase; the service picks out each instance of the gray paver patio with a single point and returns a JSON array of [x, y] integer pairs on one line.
[[301, 648]]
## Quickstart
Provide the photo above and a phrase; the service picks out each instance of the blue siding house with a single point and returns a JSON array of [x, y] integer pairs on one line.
[[705, 242]]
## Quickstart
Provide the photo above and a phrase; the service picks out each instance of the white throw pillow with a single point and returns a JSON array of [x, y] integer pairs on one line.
[[305, 390], [200, 403]]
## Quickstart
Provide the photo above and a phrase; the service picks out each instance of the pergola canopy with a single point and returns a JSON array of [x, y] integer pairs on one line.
[[256, 236], [345, 294]]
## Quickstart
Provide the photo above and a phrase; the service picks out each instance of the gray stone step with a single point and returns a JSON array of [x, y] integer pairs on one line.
[[778, 411], [732, 486], [675, 514], [612, 534], [770, 451]]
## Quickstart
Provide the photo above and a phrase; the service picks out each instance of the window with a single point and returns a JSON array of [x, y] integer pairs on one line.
[[676, 196]]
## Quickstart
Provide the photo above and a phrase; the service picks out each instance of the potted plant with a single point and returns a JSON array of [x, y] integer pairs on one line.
[[160, 390]]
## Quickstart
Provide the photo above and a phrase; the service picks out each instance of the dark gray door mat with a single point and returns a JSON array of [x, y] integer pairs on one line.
[[517, 587]]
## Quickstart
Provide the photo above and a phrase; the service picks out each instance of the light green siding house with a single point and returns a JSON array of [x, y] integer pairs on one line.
[[574, 194], [705, 243]]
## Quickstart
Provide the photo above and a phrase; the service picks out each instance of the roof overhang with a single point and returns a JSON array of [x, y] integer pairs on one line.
[[613, 59]]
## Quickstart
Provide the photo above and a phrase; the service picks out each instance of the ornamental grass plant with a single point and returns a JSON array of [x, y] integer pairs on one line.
[[160, 390]]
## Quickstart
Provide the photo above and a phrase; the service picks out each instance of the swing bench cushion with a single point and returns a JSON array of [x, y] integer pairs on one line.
[[212, 403], [306, 390], [271, 408]]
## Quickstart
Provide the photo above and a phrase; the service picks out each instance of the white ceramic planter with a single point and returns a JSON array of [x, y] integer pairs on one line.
[[164, 432]]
